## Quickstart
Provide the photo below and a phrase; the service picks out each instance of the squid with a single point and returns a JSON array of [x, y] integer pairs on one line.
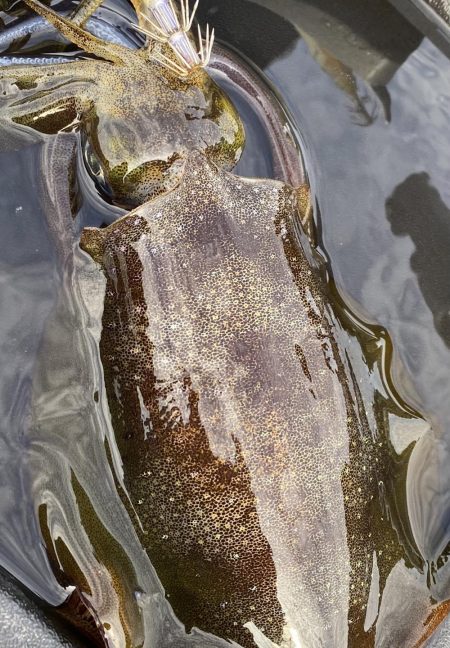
[[243, 454]]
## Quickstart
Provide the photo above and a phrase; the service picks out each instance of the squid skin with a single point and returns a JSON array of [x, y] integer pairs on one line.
[[241, 442], [138, 118], [250, 468]]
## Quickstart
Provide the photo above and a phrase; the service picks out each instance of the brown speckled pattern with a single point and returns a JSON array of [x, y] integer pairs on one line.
[[141, 121], [245, 455]]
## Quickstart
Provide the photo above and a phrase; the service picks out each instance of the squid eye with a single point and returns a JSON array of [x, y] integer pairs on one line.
[[128, 186]]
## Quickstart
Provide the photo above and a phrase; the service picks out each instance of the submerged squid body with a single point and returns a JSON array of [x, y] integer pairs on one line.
[[225, 389], [139, 112]]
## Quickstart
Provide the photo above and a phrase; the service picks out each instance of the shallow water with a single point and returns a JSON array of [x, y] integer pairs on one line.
[[377, 153]]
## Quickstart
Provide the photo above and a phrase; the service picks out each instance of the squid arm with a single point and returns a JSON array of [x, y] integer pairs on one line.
[[75, 34]]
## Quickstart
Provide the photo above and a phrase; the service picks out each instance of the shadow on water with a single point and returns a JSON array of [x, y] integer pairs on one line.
[[351, 41], [416, 209]]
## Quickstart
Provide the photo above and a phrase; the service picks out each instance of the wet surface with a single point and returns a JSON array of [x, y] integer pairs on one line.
[[382, 195], [376, 138]]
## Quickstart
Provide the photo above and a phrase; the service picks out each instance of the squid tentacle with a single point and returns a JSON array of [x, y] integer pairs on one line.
[[45, 73], [7, 61], [83, 11], [44, 86], [165, 27], [109, 51]]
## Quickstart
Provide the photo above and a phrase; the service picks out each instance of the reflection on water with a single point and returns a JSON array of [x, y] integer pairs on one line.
[[382, 208], [24, 623], [26, 299], [355, 170]]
